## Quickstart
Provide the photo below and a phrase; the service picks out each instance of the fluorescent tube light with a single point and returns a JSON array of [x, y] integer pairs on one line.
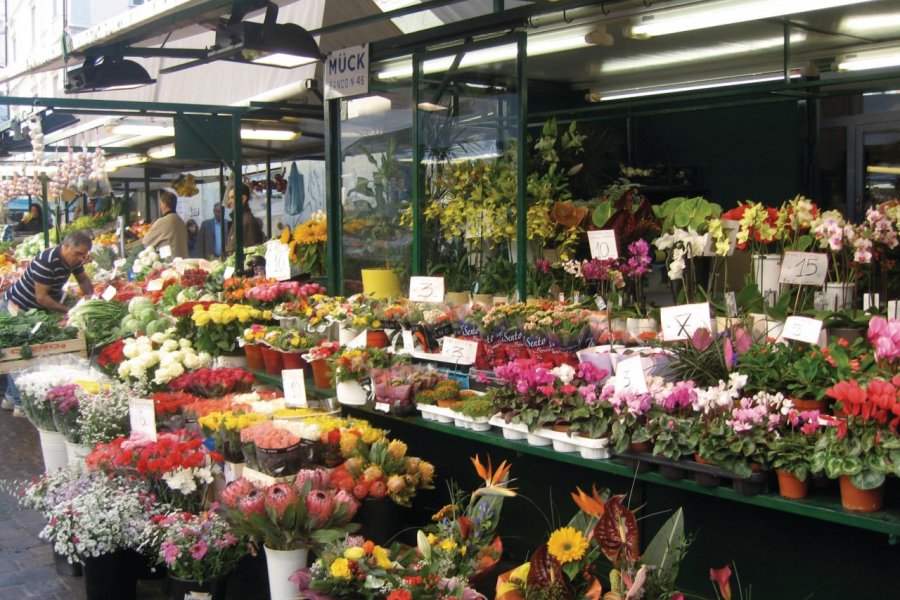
[[724, 12], [865, 60], [891, 170], [285, 61], [431, 107], [143, 129], [866, 23], [167, 151], [277, 135], [649, 61], [685, 87], [115, 163]]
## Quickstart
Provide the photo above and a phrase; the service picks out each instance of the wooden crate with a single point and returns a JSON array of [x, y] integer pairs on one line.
[[11, 358]]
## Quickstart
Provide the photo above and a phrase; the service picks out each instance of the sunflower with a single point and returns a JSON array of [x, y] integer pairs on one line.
[[567, 544]]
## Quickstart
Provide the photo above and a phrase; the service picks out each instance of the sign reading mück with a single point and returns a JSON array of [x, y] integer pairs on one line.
[[347, 72]]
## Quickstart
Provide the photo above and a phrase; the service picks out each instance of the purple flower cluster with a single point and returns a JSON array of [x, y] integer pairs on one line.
[[65, 397], [885, 337], [682, 395], [638, 264], [525, 375], [597, 269]]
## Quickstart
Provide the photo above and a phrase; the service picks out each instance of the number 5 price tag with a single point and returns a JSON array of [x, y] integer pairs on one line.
[[804, 268], [460, 351], [426, 289], [294, 387], [802, 329], [630, 375], [142, 415], [603, 244]]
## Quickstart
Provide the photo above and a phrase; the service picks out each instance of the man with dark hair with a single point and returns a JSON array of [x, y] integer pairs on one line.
[[251, 231], [169, 229], [41, 284], [212, 236]]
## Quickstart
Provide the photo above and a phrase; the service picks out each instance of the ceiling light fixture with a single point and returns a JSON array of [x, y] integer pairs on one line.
[[865, 23], [869, 59], [284, 45], [160, 152], [687, 87], [143, 129], [125, 160], [723, 12], [274, 135], [103, 73]]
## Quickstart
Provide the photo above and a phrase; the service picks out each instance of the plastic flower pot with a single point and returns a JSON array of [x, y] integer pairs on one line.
[[112, 575], [53, 448], [253, 352], [377, 338], [321, 374], [279, 462], [211, 589], [853, 498], [281, 564], [791, 487], [273, 360]]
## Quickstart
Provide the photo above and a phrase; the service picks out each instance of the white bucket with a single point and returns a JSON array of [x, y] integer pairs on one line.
[[77, 454], [281, 564], [53, 447]]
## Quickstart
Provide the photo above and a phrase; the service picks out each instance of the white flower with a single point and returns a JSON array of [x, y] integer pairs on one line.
[[158, 338], [181, 480], [130, 350], [169, 345], [564, 372], [184, 343]]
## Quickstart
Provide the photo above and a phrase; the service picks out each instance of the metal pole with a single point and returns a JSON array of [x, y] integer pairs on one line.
[[268, 195], [333, 196], [146, 196], [521, 199], [45, 208], [237, 221], [126, 201], [222, 202], [418, 266]]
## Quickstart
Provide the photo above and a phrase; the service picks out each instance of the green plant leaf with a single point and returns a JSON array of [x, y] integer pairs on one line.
[[868, 479], [663, 549]]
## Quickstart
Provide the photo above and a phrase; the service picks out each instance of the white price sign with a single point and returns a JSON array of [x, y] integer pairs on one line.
[[803, 268], [119, 263], [294, 381], [278, 264], [426, 289], [680, 322], [154, 285], [142, 415], [359, 341], [109, 293], [383, 407], [460, 351], [165, 251], [409, 343], [802, 329], [603, 244], [229, 271], [630, 375]]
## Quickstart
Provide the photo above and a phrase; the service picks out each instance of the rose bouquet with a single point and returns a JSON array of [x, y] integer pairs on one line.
[[111, 356], [176, 467], [306, 513], [155, 361], [109, 514], [218, 327], [380, 468], [196, 547], [214, 383], [225, 430]]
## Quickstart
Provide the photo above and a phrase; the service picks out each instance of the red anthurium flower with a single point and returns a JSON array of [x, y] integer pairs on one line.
[[722, 577]]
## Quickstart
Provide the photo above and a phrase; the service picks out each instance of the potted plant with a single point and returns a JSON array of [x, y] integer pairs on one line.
[[289, 519], [790, 451], [352, 367], [198, 551], [806, 379]]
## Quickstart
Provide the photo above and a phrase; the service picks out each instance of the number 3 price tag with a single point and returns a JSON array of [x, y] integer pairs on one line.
[[294, 387], [804, 268], [630, 375], [142, 415], [426, 289], [603, 244], [460, 351], [802, 329]]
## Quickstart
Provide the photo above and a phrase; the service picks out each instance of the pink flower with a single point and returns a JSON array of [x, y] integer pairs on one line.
[[254, 503], [199, 549], [170, 552], [320, 505], [280, 496], [346, 498], [234, 491]]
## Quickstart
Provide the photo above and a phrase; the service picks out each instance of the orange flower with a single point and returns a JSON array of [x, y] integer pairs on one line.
[[589, 504], [494, 481]]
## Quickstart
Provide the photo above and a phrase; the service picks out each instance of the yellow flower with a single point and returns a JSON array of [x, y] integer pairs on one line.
[[397, 449], [200, 319], [447, 545], [381, 557], [567, 544], [354, 553], [91, 387], [432, 539], [340, 568]]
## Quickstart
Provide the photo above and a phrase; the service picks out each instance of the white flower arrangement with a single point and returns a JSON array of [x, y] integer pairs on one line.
[[186, 481], [302, 429], [159, 359], [103, 417], [684, 244], [720, 396], [33, 386]]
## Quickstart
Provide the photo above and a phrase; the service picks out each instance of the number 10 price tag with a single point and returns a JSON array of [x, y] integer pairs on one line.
[[294, 387], [603, 244], [278, 264], [426, 289]]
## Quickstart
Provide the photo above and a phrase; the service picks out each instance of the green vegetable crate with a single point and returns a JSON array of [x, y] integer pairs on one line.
[[11, 358]]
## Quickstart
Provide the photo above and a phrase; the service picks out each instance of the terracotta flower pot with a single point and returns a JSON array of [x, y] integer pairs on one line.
[[293, 360], [272, 359], [859, 500], [645, 446], [807, 404], [321, 374], [253, 352], [377, 338], [791, 487]]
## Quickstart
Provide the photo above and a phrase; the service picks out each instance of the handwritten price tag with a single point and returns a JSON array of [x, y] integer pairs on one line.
[[229, 271], [165, 251], [603, 244], [109, 293], [278, 264], [154, 285], [426, 289], [680, 322], [142, 415], [294, 381], [804, 268], [460, 351], [630, 375], [802, 329]]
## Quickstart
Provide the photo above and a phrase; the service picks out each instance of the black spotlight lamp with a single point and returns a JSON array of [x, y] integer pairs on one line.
[[103, 73], [285, 45]]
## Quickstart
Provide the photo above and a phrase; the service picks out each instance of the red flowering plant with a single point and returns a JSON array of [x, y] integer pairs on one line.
[[864, 445], [322, 350], [308, 512], [110, 357], [177, 466], [214, 383], [792, 443]]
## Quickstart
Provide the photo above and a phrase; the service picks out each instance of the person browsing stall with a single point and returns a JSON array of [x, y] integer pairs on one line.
[[251, 230], [169, 229], [42, 282]]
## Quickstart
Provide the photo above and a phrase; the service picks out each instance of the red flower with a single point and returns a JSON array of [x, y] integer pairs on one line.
[[722, 577]]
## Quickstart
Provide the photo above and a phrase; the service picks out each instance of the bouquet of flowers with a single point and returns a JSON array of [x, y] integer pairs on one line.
[[306, 513], [34, 385], [214, 383], [111, 356], [353, 364], [380, 468], [155, 361], [225, 430], [104, 416], [218, 326], [351, 568], [287, 340], [64, 402], [322, 350], [307, 244], [176, 467], [109, 514], [196, 547], [48, 490]]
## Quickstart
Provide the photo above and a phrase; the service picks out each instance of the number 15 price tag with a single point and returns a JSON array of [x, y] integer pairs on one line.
[[426, 289], [804, 268]]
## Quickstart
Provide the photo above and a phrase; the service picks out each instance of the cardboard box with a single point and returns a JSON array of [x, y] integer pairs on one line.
[[11, 358]]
